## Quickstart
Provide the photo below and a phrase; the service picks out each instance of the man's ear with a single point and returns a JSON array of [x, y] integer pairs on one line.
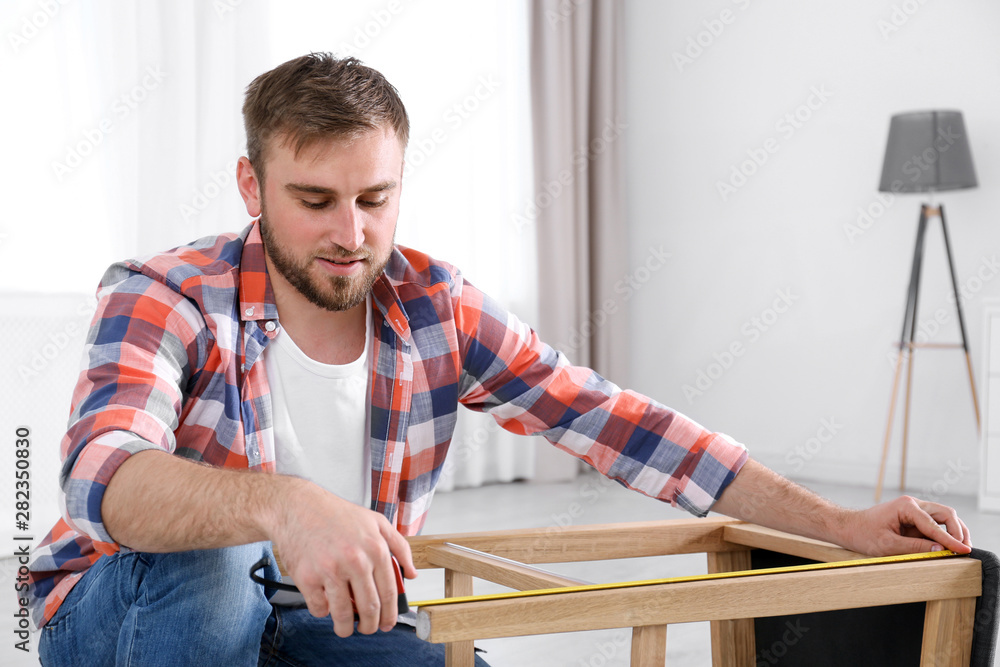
[[249, 185]]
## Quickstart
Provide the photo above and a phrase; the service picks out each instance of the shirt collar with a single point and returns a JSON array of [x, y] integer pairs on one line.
[[257, 297], [388, 303]]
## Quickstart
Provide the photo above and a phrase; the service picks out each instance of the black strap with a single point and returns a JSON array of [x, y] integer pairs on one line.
[[402, 606], [270, 583]]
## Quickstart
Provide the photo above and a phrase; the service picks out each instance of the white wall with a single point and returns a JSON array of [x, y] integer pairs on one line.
[[786, 228]]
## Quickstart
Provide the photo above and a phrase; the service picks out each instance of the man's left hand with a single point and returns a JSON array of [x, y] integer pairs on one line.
[[906, 525]]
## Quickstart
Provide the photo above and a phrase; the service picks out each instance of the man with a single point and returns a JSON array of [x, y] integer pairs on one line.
[[311, 346]]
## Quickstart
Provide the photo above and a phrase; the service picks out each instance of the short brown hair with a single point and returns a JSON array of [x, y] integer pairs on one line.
[[319, 96]]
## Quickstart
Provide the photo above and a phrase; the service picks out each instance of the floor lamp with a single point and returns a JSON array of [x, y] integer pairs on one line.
[[927, 151]]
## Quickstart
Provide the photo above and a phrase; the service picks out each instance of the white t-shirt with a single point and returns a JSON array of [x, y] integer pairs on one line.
[[321, 417]]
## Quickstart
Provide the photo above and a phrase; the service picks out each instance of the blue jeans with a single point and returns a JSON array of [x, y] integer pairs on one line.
[[202, 608]]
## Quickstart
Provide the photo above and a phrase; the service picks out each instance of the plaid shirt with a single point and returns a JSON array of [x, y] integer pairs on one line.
[[173, 362]]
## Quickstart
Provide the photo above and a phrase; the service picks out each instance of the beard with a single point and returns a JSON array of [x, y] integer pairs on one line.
[[334, 293]]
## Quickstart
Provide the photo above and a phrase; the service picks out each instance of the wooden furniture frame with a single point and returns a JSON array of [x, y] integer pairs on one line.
[[950, 587]]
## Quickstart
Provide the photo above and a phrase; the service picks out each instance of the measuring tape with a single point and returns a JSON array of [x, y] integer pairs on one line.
[[696, 577]]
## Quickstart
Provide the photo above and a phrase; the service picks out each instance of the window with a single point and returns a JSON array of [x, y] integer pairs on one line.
[[126, 126]]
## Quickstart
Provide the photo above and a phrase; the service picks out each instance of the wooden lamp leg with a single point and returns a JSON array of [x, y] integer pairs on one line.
[[972, 385], [906, 418], [888, 426]]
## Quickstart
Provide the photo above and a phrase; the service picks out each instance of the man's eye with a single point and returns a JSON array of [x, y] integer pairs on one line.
[[369, 203], [314, 204]]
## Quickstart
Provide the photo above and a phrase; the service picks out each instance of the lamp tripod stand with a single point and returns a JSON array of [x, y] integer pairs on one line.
[[908, 344]]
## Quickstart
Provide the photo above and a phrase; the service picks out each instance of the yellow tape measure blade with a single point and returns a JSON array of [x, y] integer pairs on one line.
[[880, 560]]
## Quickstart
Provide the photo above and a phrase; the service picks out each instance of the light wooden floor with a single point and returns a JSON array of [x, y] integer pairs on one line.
[[593, 499]]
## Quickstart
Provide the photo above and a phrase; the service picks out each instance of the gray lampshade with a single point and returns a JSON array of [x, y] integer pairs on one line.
[[927, 151]]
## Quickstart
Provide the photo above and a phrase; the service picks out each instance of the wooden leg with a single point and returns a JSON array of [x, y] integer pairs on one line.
[[975, 399], [888, 426], [458, 654], [649, 646], [948, 633], [906, 418], [732, 641]]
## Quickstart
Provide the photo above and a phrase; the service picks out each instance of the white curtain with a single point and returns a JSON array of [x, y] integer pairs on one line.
[[175, 168], [578, 210], [126, 127], [578, 100], [123, 112]]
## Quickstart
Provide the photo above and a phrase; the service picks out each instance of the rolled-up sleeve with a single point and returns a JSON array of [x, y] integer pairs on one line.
[[530, 388], [140, 349]]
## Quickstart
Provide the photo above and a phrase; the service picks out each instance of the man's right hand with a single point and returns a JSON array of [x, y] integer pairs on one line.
[[334, 549]]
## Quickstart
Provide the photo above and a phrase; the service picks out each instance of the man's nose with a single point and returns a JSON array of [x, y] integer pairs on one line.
[[347, 231]]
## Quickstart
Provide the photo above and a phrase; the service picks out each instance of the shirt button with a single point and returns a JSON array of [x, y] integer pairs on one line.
[[243, 367], [249, 312], [270, 326]]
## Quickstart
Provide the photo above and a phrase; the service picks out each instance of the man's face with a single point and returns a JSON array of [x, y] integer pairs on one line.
[[328, 215]]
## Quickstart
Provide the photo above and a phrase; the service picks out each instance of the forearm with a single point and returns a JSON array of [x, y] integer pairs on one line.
[[158, 502], [333, 548], [762, 496]]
